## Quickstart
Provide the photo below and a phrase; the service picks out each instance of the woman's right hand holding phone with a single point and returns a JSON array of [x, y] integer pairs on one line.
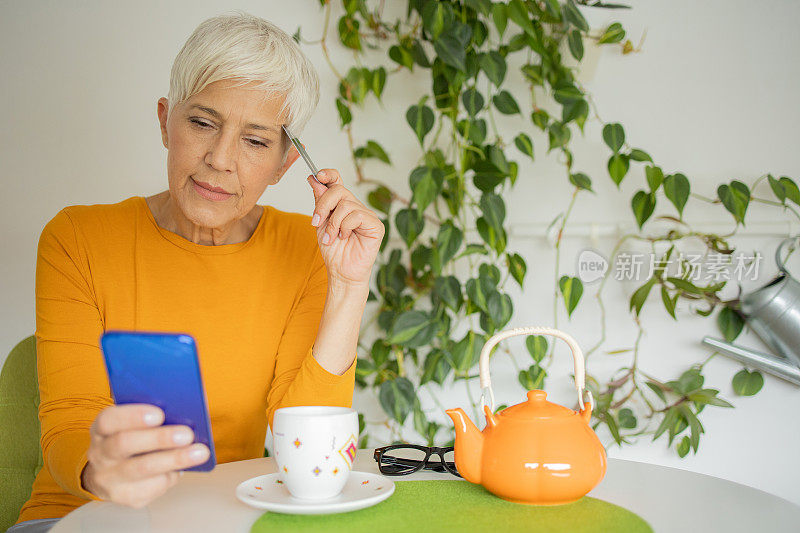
[[133, 459]]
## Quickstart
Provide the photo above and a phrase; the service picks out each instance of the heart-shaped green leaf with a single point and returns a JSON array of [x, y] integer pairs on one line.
[[614, 136], [640, 295], [420, 118], [436, 16], [746, 383], [494, 210], [627, 419], [735, 197], [436, 367], [777, 188], [344, 112], [516, 266], [537, 346], [448, 290], [448, 243], [465, 353], [500, 17], [730, 323], [402, 56], [409, 225], [575, 17], [451, 46], [581, 181], [519, 14], [425, 183], [577, 111], [617, 167], [397, 398], [654, 177], [792, 192], [472, 100], [640, 155], [348, 32], [372, 150], [524, 144], [533, 378], [505, 103], [494, 65], [559, 135], [571, 290], [677, 189], [500, 309], [575, 42], [380, 199], [613, 34], [412, 329], [643, 205]]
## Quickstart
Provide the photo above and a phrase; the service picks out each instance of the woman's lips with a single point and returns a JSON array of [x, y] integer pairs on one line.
[[208, 192]]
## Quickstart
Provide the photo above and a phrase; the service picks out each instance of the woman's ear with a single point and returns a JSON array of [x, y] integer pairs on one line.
[[162, 112], [291, 156]]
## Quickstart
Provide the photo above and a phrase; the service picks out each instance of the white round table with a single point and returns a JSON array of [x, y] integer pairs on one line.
[[668, 498]]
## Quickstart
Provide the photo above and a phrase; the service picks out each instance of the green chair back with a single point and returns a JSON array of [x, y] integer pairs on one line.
[[20, 452]]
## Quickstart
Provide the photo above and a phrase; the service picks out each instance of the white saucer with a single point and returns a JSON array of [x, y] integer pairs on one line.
[[362, 489]]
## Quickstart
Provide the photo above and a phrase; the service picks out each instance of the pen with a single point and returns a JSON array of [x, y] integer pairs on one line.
[[303, 153]]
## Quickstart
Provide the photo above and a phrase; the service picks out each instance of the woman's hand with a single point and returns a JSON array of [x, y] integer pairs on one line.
[[349, 234], [131, 461]]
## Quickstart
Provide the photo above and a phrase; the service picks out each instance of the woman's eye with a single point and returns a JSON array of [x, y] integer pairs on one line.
[[206, 125], [201, 123], [258, 143]]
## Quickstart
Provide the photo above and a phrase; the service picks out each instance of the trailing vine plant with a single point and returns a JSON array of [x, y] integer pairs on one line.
[[437, 279]]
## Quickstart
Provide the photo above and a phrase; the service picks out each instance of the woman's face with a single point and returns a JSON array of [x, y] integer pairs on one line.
[[225, 146]]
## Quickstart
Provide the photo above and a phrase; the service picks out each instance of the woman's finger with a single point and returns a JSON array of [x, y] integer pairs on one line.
[[157, 463], [330, 176], [124, 417], [327, 203], [343, 209], [125, 444], [351, 222], [362, 221]]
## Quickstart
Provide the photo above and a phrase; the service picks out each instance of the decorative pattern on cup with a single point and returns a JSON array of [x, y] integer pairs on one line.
[[348, 451]]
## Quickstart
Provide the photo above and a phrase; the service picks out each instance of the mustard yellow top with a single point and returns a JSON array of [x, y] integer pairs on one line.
[[253, 307]]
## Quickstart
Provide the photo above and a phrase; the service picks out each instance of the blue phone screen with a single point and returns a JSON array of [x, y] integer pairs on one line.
[[160, 369]]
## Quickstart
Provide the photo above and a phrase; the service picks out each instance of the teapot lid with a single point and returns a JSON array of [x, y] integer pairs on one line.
[[537, 406]]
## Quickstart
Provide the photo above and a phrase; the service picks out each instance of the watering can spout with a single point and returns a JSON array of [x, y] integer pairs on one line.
[[468, 445]]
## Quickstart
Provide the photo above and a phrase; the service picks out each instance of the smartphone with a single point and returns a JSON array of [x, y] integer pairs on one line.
[[160, 369]]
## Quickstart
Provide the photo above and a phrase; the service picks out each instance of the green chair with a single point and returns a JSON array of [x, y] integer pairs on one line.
[[20, 453]]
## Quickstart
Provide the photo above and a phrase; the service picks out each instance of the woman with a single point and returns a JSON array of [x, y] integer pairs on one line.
[[274, 304]]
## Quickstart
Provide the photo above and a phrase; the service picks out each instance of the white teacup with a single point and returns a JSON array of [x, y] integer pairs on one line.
[[315, 447]]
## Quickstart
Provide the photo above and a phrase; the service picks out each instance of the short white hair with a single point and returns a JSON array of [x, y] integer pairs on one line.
[[241, 45]]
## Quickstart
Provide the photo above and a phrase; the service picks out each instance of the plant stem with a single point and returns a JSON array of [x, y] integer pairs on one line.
[[323, 41], [558, 266], [401, 371], [471, 399], [777, 204]]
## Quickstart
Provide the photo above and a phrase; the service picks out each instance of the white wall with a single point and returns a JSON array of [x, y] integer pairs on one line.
[[712, 94]]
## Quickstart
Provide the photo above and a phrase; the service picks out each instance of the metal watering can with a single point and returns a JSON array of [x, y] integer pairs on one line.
[[773, 312]]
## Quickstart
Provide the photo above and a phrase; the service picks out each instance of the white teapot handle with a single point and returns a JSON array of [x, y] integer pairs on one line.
[[577, 355]]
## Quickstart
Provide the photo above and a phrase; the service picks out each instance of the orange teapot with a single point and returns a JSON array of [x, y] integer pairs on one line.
[[535, 452]]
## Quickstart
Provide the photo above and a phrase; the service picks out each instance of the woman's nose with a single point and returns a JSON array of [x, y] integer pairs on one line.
[[223, 152]]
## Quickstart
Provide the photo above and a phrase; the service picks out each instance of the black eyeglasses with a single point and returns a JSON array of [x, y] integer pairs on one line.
[[403, 459]]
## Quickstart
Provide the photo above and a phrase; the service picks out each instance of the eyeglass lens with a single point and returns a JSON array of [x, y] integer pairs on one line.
[[400, 461]]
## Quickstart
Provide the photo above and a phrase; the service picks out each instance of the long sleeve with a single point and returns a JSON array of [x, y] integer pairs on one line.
[[299, 378], [72, 380], [254, 308]]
